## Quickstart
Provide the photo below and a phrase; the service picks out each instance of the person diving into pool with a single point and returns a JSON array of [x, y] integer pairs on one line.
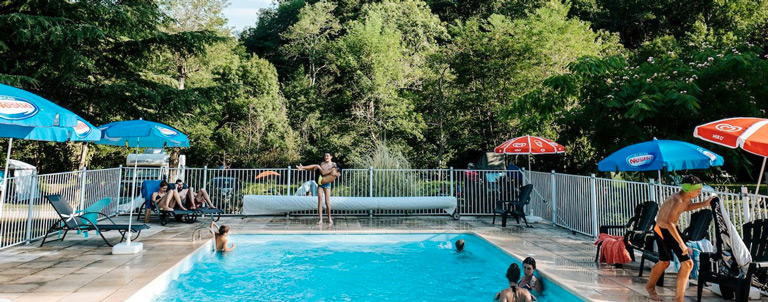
[[325, 173]]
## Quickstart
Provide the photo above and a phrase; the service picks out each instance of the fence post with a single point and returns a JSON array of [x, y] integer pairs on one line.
[[288, 189], [370, 187], [119, 188], [205, 177], [370, 181], [652, 188], [451, 181], [29, 218], [593, 199], [745, 200], [82, 188], [554, 197]]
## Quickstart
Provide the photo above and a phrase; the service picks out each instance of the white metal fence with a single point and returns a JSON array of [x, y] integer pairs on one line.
[[583, 203], [578, 203], [27, 215]]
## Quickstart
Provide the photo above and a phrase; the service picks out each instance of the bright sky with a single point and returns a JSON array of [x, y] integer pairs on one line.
[[243, 13]]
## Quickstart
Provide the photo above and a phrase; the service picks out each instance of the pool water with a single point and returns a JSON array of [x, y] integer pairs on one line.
[[388, 267]]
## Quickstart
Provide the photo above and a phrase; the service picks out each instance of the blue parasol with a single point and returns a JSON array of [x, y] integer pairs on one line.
[[659, 154], [139, 133], [24, 115]]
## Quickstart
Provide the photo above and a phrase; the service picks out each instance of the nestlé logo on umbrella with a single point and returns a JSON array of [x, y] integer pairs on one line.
[[640, 159], [14, 108], [166, 132], [711, 156]]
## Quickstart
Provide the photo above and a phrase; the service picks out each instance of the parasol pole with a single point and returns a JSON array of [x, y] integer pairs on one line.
[[759, 179], [660, 181], [530, 151], [133, 194]]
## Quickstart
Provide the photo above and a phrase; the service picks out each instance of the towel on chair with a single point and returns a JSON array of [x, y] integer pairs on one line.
[[612, 250]]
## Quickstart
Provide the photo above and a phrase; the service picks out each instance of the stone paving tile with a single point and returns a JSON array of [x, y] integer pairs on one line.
[[87, 296], [79, 269]]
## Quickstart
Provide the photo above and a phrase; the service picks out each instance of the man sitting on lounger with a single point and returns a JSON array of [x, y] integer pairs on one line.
[[192, 199]]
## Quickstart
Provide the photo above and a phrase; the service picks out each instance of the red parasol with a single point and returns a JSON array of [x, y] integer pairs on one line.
[[748, 133], [530, 145]]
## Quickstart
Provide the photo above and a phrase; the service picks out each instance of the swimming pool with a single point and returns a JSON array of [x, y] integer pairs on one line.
[[349, 267]]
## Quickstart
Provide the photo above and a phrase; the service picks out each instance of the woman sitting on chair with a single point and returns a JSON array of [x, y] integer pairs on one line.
[[167, 200]]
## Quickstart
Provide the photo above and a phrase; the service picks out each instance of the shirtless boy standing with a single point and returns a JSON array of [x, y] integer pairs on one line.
[[668, 237], [328, 172]]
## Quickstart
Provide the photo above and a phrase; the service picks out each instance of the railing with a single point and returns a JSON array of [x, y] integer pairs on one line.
[[26, 214], [582, 203], [227, 187], [578, 203]]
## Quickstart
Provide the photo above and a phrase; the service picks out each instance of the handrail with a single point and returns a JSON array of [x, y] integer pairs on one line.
[[199, 234]]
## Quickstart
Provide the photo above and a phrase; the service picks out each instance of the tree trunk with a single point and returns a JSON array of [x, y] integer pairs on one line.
[[83, 156], [173, 162], [182, 75]]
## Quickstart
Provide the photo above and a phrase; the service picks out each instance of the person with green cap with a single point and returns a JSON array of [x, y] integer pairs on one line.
[[668, 237]]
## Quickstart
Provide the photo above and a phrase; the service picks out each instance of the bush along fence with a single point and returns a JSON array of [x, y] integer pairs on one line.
[[578, 203]]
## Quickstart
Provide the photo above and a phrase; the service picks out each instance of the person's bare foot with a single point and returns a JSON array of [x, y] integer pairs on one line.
[[330, 222], [320, 222], [652, 292]]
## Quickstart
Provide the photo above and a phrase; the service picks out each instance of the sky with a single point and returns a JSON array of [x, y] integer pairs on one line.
[[243, 13]]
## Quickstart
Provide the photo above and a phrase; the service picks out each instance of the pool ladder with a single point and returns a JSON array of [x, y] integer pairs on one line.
[[197, 234]]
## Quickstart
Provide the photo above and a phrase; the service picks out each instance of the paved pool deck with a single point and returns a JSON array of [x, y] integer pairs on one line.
[[79, 269]]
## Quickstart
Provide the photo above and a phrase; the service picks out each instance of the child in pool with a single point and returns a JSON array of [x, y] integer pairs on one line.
[[514, 293], [529, 281], [221, 238], [460, 245]]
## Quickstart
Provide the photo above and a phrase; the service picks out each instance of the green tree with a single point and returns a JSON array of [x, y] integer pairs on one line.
[[638, 21], [498, 60], [253, 128], [665, 97], [309, 37], [371, 69], [90, 57], [265, 39]]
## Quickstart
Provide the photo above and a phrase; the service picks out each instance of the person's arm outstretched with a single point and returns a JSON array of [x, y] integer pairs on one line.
[[309, 168]]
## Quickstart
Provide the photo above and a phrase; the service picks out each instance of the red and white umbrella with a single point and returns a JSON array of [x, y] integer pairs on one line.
[[748, 133], [530, 145]]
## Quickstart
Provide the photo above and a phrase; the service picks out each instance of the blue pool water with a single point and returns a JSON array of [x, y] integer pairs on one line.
[[388, 267]]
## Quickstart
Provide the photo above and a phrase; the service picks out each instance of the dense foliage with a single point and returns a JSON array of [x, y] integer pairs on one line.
[[436, 82]]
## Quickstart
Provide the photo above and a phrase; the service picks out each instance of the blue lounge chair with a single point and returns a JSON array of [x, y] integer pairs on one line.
[[69, 220], [92, 212], [189, 216], [202, 210], [151, 186]]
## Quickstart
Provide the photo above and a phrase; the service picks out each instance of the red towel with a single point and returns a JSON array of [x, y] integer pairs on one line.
[[613, 250]]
